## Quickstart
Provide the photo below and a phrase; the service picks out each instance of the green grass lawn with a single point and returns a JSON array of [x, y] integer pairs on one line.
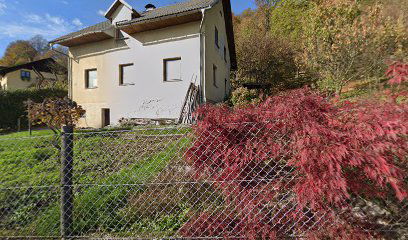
[[110, 168], [35, 133]]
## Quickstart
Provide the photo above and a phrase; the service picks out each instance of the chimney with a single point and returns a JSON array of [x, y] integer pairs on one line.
[[150, 7]]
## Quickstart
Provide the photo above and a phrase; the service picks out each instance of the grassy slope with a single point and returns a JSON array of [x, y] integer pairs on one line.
[[34, 162]]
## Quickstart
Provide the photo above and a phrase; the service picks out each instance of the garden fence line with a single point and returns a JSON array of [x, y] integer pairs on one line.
[[152, 182]]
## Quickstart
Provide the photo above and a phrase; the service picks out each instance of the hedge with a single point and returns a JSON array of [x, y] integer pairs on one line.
[[12, 104]]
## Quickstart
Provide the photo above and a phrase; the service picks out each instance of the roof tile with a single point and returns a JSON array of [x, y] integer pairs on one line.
[[171, 10], [147, 15]]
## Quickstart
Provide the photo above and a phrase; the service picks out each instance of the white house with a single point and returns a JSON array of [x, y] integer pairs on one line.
[[140, 64]]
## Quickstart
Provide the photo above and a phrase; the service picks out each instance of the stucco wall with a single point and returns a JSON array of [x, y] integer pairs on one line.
[[149, 96], [121, 14], [215, 55], [12, 81]]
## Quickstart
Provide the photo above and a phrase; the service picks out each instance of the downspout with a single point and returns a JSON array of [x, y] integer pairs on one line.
[[202, 54]]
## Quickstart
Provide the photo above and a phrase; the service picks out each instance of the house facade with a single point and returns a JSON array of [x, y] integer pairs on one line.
[[140, 64], [28, 75]]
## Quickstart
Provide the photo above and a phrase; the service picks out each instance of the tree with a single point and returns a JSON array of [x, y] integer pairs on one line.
[[265, 7], [18, 52], [59, 55], [271, 60], [282, 165], [287, 20], [346, 42], [55, 113], [59, 69], [40, 44]]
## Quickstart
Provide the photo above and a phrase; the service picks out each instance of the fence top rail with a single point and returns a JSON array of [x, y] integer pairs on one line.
[[94, 132]]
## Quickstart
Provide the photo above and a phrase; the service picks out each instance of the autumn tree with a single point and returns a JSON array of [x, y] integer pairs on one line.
[[346, 42], [265, 6], [265, 56], [55, 113], [18, 52], [271, 60]]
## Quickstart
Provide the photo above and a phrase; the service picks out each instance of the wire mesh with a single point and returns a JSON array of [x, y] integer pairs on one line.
[[143, 184]]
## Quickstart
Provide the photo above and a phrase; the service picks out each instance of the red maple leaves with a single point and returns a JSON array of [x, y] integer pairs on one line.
[[301, 148], [398, 73]]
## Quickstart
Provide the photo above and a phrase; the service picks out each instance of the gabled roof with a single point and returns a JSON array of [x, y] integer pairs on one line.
[[147, 15], [174, 9], [115, 6], [42, 65], [100, 31], [183, 11]]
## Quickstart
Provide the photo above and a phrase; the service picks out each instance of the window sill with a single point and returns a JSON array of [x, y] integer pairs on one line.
[[91, 88], [126, 84], [173, 80]]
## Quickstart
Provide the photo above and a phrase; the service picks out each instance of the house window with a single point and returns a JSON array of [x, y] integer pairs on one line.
[[105, 117], [215, 76], [172, 69], [216, 38], [25, 75], [91, 78], [225, 54], [125, 74]]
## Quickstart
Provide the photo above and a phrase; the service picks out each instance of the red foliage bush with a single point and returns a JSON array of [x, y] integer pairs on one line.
[[398, 73], [281, 165]]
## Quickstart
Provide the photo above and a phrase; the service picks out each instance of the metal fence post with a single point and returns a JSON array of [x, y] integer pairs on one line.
[[67, 197]]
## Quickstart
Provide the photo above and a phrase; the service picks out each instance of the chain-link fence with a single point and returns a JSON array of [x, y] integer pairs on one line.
[[149, 183]]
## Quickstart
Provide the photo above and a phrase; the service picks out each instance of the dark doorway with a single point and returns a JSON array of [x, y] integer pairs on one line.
[[105, 117]]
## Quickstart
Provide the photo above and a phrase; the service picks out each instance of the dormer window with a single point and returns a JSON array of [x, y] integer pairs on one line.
[[120, 11]]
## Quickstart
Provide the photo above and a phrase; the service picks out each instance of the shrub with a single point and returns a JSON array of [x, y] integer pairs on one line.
[[12, 104], [398, 72], [55, 112], [272, 61], [282, 164], [243, 96]]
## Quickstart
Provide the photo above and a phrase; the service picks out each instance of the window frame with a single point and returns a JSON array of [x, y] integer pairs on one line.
[[217, 37], [165, 68], [215, 71], [121, 74], [23, 77], [87, 71]]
